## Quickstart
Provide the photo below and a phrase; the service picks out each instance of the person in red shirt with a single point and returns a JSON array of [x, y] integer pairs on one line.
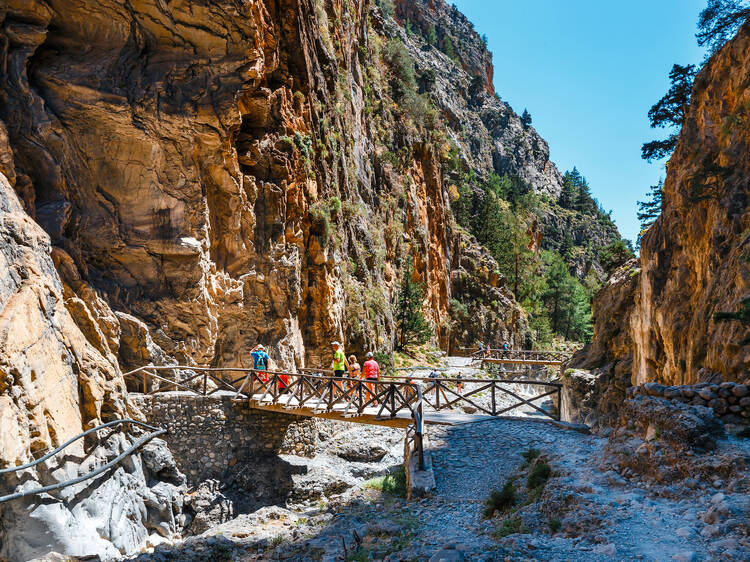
[[371, 370]]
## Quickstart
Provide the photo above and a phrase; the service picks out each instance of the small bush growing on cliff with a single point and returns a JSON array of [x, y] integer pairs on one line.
[[530, 454], [554, 525], [500, 500], [403, 80], [615, 255], [510, 526]]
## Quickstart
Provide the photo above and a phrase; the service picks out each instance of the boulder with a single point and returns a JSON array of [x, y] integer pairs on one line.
[[680, 424]]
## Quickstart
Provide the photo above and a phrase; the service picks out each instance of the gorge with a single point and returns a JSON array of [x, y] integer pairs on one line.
[[182, 180]]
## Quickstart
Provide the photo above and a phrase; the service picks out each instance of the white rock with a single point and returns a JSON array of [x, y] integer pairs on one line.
[[605, 549], [717, 498], [710, 531], [684, 532]]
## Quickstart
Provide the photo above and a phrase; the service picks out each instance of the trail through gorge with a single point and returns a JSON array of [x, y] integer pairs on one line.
[[584, 509]]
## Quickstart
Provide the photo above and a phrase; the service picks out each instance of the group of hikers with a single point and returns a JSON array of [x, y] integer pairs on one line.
[[342, 366], [485, 349]]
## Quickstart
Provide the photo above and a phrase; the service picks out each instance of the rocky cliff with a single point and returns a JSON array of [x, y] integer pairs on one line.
[[59, 377], [694, 259], [232, 174], [680, 315]]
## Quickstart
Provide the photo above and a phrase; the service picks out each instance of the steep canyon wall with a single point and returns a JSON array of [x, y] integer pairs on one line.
[[676, 315], [219, 171]]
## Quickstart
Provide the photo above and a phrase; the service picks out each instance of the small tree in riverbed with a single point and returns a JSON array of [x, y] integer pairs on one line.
[[412, 327]]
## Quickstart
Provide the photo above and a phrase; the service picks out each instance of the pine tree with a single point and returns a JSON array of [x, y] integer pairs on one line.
[[669, 111], [412, 327], [526, 119], [558, 297], [719, 21], [650, 209], [569, 192], [432, 35]]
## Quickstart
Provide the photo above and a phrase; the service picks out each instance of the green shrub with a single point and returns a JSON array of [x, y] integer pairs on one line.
[[554, 525], [744, 434], [459, 309], [399, 60], [539, 475], [320, 219], [500, 501], [530, 454], [393, 483], [334, 204], [510, 526], [385, 360]]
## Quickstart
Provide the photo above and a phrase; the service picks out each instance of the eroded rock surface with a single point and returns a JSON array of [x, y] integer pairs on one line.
[[59, 377]]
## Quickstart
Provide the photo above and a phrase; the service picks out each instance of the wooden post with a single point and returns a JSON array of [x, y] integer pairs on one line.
[[494, 407]]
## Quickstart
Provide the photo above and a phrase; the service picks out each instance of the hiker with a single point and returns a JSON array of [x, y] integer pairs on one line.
[[372, 374], [433, 375], [355, 371], [339, 364], [506, 349], [459, 381], [260, 361]]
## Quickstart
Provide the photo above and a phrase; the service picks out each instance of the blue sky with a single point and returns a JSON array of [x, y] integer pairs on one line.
[[588, 71]]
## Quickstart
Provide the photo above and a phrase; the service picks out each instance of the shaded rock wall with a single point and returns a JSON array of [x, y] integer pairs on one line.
[[596, 378], [58, 377]]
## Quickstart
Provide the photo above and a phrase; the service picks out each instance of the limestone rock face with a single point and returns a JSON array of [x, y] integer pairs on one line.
[[204, 168], [487, 129], [695, 257], [658, 322], [58, 377], [46, 360]]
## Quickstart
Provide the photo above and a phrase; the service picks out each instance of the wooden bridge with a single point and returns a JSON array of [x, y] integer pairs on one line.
[[408, 402], [315, 393], [521, 356]]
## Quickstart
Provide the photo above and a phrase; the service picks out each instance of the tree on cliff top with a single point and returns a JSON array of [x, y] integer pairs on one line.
[[669, 111], [411, 326], [526, 119], [719, 21]]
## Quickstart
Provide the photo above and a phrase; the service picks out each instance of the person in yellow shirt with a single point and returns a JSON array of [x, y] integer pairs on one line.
[[340, 365]]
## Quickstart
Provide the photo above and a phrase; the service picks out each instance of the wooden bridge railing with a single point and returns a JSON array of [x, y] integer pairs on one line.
[[384, 398]]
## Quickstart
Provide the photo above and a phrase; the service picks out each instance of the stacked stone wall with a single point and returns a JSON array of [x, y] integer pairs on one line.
[[208, 435], [730, 401]]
